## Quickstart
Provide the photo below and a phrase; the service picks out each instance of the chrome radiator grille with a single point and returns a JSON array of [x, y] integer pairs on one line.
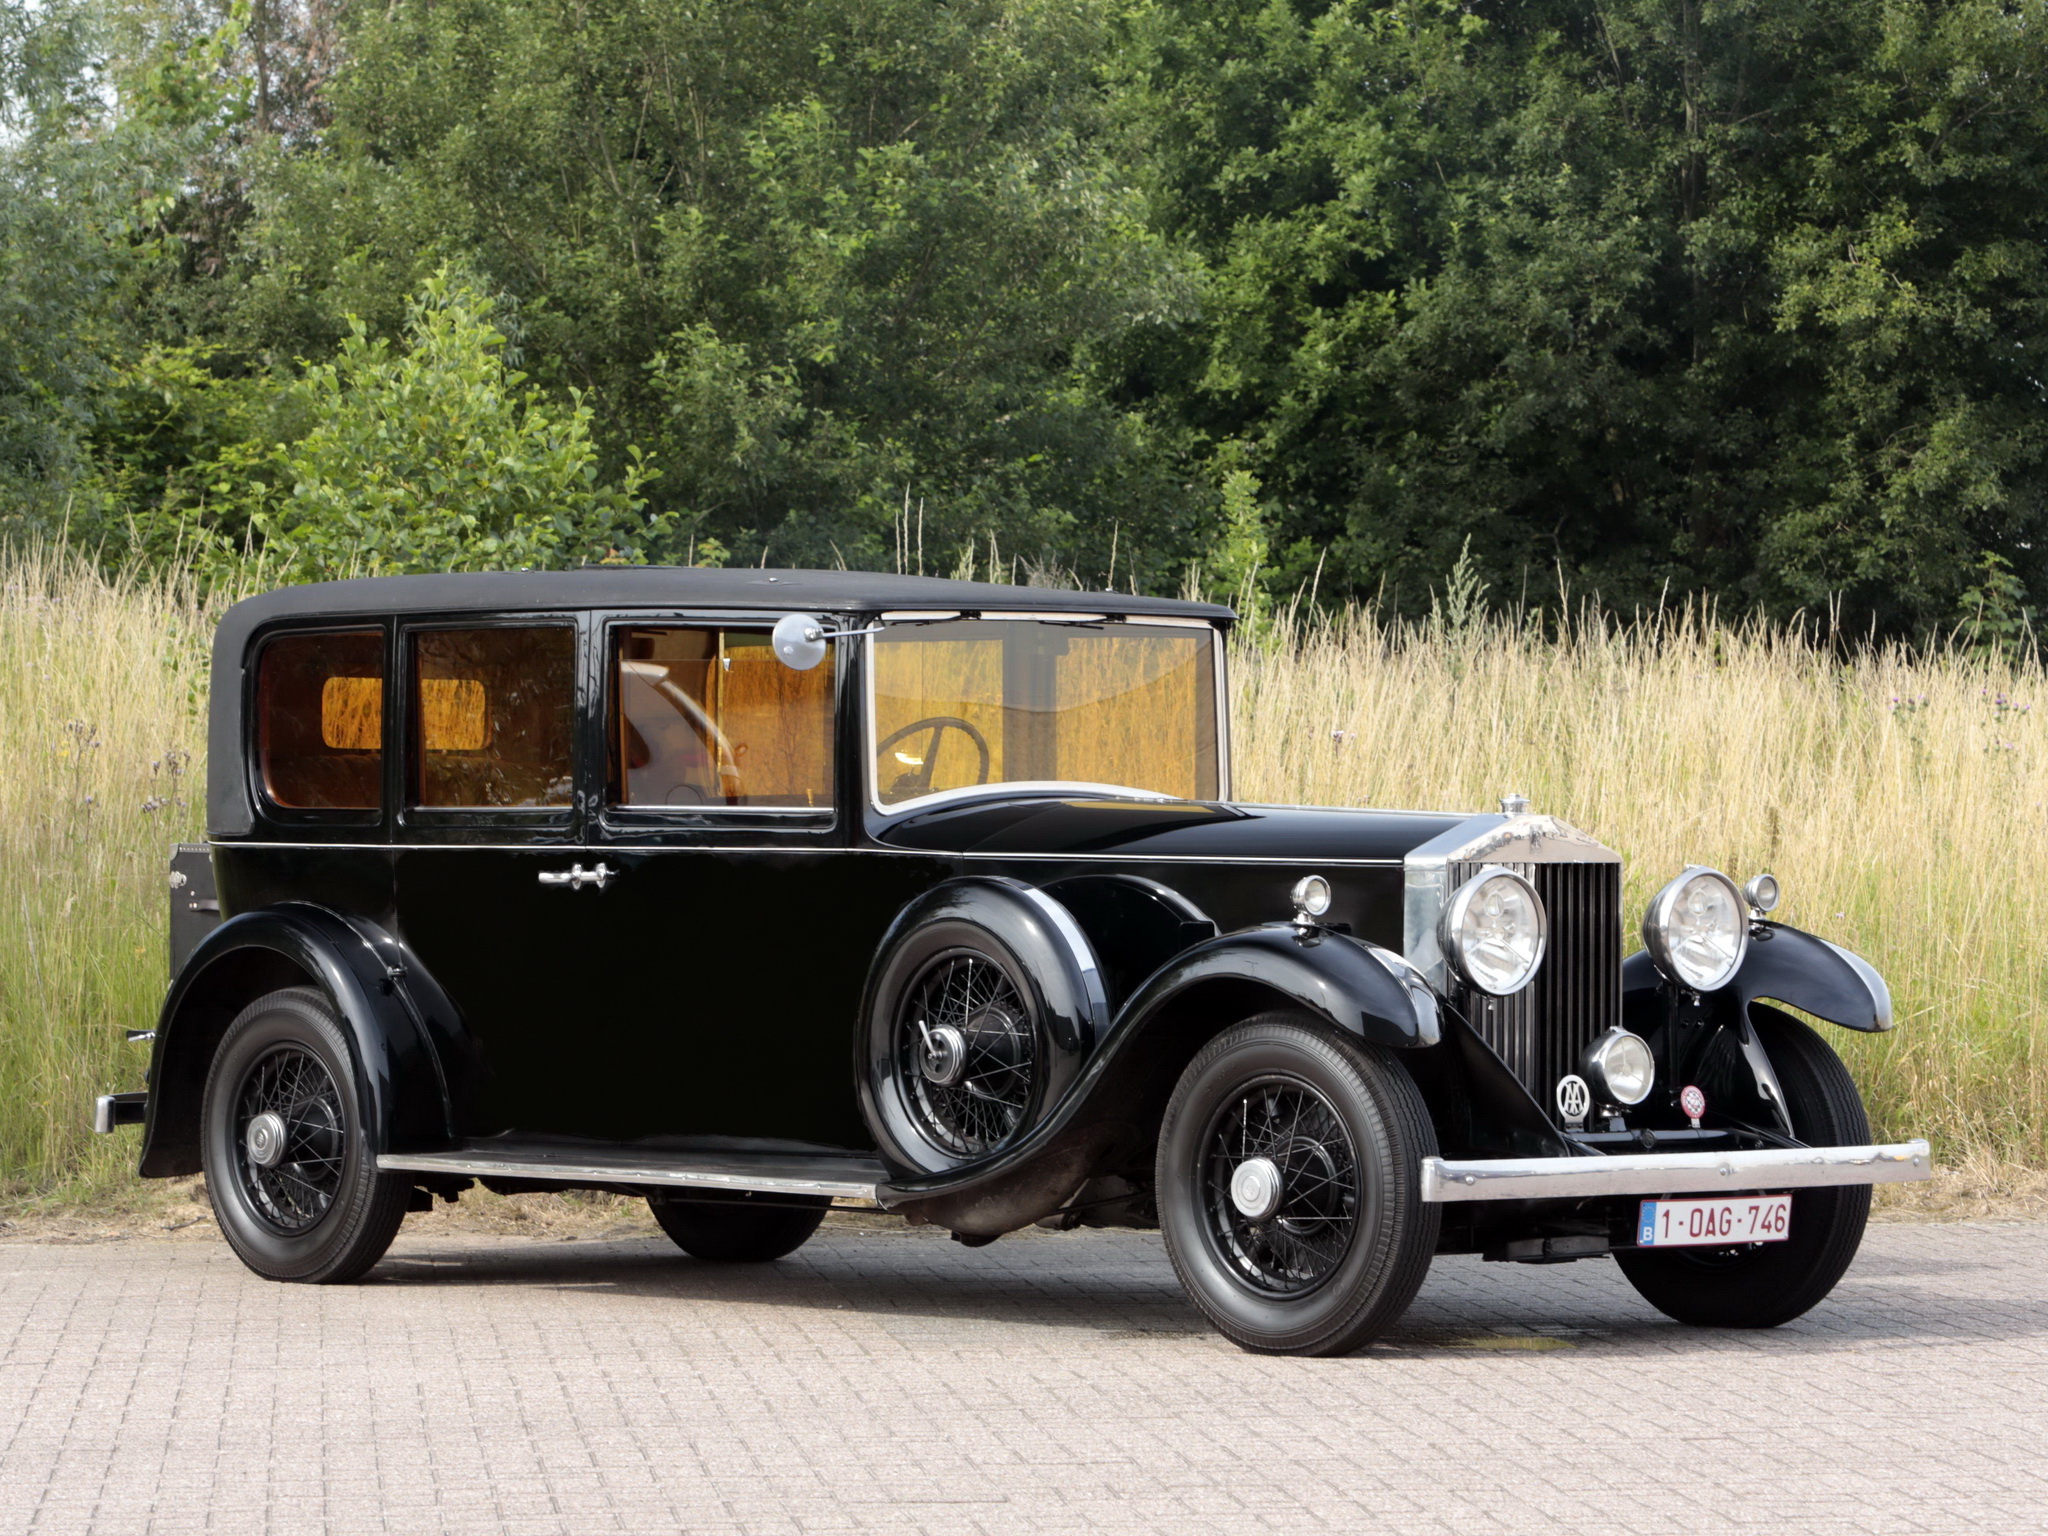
[[1576, 996]]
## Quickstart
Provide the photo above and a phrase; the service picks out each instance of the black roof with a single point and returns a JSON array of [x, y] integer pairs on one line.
[[629, 586], [619, 586]]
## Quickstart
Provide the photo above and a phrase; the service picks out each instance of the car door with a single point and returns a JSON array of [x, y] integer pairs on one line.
[[729, 980], [489, 830]]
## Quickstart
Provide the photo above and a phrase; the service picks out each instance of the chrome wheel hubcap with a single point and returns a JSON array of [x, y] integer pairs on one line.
[[945, 1056], [1255, 1188], [265, 1140]]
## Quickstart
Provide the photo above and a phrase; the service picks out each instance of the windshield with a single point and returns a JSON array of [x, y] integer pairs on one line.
[[995, 701]]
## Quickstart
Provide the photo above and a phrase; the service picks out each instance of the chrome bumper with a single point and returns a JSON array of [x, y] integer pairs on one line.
[[1670, 1173], [113, 1109]]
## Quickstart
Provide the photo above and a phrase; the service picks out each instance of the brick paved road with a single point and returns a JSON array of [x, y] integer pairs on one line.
[[893, 1381]]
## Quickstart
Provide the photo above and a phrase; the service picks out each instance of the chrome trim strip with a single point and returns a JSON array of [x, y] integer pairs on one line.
[[1047, 788], [571, 850], [706, 1176], [1671, 1173]]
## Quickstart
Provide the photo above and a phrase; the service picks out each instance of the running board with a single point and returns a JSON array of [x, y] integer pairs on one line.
[[849, 1178]]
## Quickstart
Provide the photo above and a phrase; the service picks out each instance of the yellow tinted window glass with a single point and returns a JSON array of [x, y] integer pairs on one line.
[[1011, 701], [352, 713], [705, 717], [319, 721], [494, 715], [452, 715]]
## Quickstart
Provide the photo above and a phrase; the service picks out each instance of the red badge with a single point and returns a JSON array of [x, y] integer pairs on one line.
[[1693, 1102]]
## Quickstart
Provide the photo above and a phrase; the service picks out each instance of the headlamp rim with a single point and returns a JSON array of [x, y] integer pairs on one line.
[[1657, 921], [1454, 916]]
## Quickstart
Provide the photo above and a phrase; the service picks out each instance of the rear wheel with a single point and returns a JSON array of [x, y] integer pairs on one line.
[[1288, 1187], [737, 1230], [288, 1159], [1760, 1285]]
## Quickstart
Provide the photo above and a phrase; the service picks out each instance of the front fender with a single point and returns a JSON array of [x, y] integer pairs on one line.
[[1363, 990], [1786, 965], [399, 1075], [1366, 992]]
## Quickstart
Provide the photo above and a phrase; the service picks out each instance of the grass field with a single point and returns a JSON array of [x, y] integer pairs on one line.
[[1899, 797]]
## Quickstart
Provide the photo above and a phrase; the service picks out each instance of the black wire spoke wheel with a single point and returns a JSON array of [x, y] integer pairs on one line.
[[288, 1128], [1289, 1186], [1280, 1186], [966, 1052], [290, 1163]]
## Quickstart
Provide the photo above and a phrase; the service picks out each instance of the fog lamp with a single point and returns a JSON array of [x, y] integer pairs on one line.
[[1620, 1067]]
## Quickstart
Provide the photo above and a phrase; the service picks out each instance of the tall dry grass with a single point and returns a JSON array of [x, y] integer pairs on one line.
[[1901, 803], [1901, 798], [102, 741]]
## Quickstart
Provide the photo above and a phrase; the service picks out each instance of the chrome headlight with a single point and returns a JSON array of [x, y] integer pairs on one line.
[[1493, 931], [1697, 930], [1620, 1067]]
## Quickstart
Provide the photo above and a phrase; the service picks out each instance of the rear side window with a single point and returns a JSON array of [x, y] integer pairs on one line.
[[709, 717], [494, 714], [320, 721]]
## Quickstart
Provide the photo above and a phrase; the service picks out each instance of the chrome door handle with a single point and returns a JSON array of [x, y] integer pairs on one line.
[[575, 877]]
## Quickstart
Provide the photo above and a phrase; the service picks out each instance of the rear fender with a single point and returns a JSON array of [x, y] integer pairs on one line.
[[389, 1010]]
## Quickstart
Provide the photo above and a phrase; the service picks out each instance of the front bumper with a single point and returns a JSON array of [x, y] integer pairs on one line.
[[1670, 1173]]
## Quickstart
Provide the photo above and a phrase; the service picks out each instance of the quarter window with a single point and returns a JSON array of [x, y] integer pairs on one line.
[[708, 717], [494, 714], [320, 721]]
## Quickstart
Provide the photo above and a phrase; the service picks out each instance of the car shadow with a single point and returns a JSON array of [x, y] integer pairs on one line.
[[1119, 1286]]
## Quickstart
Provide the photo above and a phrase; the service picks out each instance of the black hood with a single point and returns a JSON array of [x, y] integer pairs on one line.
[[1139, 829]]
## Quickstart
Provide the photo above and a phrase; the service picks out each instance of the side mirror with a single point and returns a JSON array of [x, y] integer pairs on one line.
[[799, 641]]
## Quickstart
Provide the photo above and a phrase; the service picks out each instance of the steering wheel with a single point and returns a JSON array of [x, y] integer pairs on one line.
[[918, 780]]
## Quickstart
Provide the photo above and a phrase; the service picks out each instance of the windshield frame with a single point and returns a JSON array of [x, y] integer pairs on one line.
[[998, 789]]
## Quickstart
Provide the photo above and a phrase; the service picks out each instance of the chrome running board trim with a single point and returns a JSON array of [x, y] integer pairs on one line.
[[762, 1174], [1671, 1173]]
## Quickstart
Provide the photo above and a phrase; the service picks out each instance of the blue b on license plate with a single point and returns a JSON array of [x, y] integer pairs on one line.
[[1714, 1223]]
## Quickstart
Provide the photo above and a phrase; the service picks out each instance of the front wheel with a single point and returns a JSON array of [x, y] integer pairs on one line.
[[1289, 1187], [288, 1158], [1760, 1285]]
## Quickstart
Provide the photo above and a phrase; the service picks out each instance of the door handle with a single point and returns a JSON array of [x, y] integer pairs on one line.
[[575, 877]]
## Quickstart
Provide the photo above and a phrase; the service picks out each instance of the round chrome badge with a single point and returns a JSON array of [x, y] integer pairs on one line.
[[1574, 1098]]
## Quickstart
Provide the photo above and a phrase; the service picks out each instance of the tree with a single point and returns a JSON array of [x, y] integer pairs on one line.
[[819, 258], [438, 457], [1742, 298]]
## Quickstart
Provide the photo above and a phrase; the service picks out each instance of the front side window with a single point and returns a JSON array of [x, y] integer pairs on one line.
[[494, 713], [320, 721], [709, 717], [990, 701]]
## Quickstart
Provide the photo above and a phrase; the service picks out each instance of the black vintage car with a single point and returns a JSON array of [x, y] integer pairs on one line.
[[750, 891]]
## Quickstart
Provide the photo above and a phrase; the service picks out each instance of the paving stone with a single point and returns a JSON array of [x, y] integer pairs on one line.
[[1047, 1384]]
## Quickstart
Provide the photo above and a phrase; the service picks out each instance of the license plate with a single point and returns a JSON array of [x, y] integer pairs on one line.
[[1714, 1223]]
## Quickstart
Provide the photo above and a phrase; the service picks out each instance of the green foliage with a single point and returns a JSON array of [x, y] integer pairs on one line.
[[1746, 297], [811, 255], [1636, 301], [438, 457]]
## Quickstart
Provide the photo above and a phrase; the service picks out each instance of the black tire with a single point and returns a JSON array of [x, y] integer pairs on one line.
[[1348, 1240], [321, 1213], [1762, 1285], [737, 1231], [1033, 1003]]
